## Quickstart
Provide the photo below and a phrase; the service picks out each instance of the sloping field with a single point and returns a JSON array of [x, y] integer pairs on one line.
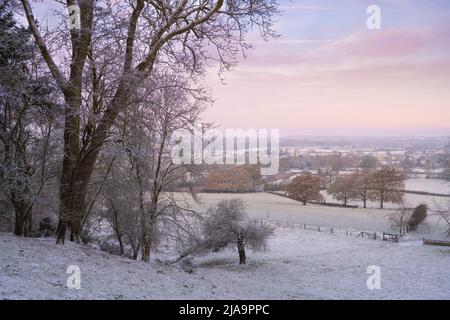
[[298, 264]]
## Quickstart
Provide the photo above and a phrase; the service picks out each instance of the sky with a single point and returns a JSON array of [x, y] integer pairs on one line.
[[328, 74]]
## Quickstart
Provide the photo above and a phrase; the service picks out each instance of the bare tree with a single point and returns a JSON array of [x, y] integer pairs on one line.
[[304, 188], [141, 206], [343, 188], [443, 211], [362, 185], [400, 217], [326, 177], [115, 200], [118, 202], [227, 224], [118, 46], [387, 185]]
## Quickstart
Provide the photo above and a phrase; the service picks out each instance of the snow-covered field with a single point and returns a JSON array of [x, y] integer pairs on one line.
[[277, 208], [273, 207], [428, 185], [298, 264]]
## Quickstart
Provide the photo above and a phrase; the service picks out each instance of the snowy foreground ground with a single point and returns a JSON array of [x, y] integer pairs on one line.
[[298, 264]]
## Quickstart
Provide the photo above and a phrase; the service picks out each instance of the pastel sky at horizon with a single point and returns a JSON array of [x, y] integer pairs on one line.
[[329, 75]]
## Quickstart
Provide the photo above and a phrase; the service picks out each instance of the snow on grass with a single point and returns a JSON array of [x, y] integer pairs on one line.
[[277, 208], [298, 264], [269, 206], [428, 185]]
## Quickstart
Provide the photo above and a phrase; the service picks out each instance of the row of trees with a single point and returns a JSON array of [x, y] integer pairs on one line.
[[383, 185]]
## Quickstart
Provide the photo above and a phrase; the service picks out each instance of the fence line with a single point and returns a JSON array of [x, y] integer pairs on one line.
[[347, 232]]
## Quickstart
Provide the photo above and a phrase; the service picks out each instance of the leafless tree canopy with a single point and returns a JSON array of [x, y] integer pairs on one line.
[[343, 188], [443, 211], [401, 217], [387, 185], [227, 223], [104, 67], [304, 188]]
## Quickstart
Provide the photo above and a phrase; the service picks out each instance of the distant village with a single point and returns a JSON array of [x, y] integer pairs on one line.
[[328, 162]]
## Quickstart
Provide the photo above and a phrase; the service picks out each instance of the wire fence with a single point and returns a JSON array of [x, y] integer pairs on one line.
[[349, 232]]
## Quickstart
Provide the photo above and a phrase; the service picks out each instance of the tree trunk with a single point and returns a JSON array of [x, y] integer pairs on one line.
[[18, 225], [241, 250], [135, 253], [119, 238], [71, 193], [365, 203], [146, 250], [382, 203], [78, 165], [79, 161], [134, 247], [71, 213], [23, 219]]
